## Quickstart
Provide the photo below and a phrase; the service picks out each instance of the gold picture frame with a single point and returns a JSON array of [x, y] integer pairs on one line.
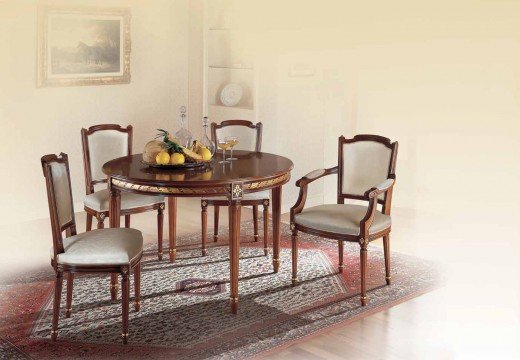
[[80, 46]]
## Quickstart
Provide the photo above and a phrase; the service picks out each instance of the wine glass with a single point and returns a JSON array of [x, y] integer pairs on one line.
[[224, 145], [233, 141]]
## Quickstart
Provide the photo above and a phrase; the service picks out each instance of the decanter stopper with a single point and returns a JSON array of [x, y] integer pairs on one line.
[[183, 136]]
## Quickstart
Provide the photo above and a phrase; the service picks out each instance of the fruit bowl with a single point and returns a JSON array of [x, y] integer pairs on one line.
[[169, 154]]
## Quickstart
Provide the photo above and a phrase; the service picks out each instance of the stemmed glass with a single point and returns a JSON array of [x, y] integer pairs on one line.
[[233, 141], [224, 145]]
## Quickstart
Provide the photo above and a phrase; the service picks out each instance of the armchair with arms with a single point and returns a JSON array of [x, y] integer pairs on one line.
[[366, 171]]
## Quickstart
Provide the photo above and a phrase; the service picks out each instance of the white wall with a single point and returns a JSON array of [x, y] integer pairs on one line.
[[36, 121], [440, 77]]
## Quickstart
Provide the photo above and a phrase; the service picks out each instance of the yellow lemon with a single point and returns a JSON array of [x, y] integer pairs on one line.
[[162, 158], [177, 159], [205, 153]]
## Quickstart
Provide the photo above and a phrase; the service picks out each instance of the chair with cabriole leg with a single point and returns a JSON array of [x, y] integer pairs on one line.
[[102, 143], [111, 251], [250, 137], [366, 171]]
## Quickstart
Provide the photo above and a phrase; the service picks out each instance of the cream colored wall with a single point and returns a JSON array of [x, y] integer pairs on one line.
[[37, 121], [195, 59], [440, 77]]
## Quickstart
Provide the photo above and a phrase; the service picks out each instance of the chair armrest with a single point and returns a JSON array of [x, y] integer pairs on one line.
[[315, 175], [380, 188], [302, 184], [372, 195]]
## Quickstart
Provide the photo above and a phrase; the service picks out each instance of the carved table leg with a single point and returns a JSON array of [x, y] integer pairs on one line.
[[115, 219], [255, 222], [160, 220], [234, 251], [115, 208], [216, 210], [204, 221], [266, 227], [172, 226], [277, 209]]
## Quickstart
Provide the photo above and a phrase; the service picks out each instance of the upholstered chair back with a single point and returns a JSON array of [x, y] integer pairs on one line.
[[364, 161], [102, 143], [249, 134], [59, 196]]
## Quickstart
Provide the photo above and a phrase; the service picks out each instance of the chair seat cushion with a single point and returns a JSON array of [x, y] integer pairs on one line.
[[259, 195], [340, 219], [117, 246], [99, 201]]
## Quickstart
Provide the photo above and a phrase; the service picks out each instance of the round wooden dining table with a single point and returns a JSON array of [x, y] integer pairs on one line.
[[251, 172]]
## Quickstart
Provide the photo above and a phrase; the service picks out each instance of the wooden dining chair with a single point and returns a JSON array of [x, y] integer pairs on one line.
[[113, 251], [250, 138], [102, 143], [366, 171]]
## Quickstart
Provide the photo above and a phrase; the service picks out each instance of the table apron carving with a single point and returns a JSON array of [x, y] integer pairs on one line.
[[203, 191]]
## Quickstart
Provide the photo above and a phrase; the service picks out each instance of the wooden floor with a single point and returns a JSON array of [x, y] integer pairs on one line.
[[476, 315]]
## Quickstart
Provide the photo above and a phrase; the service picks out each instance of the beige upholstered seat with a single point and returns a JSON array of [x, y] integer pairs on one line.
[[99, 201], [102, 247], [340, 218], [102, 143], [366, 171], [259, 195], [106, 251]]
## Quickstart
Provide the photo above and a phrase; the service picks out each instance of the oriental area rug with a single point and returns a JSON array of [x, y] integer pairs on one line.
[[185, 312]]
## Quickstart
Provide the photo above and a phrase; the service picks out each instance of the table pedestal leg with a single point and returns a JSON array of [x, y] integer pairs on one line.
[[277, 210], [172, 226], [115, 219], [234, 251]]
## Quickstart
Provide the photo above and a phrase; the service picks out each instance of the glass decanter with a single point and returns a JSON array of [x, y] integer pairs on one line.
[[183, 136], [206, 140]]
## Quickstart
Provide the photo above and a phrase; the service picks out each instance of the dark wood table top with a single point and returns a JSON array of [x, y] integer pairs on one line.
[[251, 168]]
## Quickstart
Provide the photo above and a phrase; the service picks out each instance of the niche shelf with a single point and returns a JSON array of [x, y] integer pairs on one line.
[[224, 63]]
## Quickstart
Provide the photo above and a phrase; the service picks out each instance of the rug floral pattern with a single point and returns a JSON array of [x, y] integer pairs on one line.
[[185, 311]]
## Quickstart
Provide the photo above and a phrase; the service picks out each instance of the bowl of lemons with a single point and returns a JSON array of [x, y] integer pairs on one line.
[[169, 154]]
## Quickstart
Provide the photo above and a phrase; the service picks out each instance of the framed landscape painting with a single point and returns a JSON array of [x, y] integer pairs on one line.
[[83, 46]]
